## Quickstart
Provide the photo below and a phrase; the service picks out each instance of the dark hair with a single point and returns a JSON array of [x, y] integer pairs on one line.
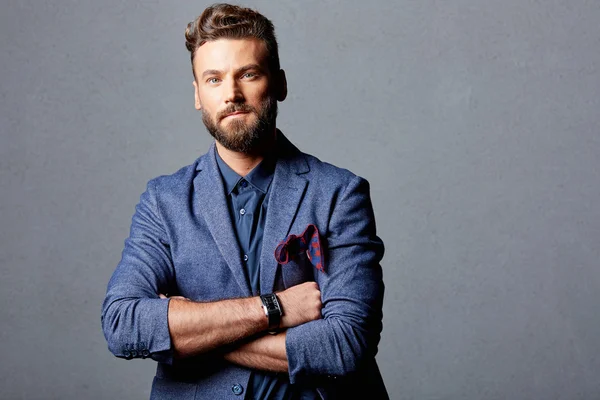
[[226, 21]]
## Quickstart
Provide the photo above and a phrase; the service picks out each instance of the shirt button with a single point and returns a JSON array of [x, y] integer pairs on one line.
[[243, 184], [245, 257], [242, 211], [237, 389]]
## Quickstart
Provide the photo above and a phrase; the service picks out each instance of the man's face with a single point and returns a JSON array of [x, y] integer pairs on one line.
[[236, 92]]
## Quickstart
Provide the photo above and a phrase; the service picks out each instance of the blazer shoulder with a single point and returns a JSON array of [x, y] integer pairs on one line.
[[315, 169], [178, 182], [329, 173]]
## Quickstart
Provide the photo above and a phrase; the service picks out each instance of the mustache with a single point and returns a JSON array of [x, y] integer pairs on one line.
[[235, 108]]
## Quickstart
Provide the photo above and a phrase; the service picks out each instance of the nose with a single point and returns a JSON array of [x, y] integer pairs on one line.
[[232, 92]]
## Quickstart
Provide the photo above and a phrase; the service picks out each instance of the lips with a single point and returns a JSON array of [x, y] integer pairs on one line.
[[236, 113]]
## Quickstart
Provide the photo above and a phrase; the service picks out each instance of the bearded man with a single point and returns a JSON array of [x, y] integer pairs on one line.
[[253, 272]]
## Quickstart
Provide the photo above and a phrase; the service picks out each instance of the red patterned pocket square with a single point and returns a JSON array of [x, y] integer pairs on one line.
[[309, 242]]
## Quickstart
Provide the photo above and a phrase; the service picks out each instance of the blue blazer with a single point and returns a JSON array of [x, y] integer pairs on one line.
[[182, 242]]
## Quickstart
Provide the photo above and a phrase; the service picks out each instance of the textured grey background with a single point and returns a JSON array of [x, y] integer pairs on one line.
[[476, 123]]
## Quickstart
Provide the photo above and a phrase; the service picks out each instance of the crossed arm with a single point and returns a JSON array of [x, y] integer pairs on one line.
[[199, 327], [135, 319]]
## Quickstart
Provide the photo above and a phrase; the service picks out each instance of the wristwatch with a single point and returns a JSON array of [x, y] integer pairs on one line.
[[272, 309]]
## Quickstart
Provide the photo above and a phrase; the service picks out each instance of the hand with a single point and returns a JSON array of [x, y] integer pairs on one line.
[[300, 304]]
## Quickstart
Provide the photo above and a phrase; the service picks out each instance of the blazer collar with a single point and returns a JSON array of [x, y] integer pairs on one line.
[[286, 193], [212, 205]]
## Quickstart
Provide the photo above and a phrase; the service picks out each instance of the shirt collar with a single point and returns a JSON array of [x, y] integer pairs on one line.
[[260, 177]]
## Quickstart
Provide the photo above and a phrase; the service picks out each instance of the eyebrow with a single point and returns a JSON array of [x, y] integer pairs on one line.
[[237, 71]]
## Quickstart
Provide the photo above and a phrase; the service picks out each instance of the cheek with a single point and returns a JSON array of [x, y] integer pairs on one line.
[[258, 100], [208, 109], [255, 91], [209, 99]]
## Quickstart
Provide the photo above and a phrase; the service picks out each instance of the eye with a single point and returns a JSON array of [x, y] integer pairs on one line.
[[212, 80], [249, 75]]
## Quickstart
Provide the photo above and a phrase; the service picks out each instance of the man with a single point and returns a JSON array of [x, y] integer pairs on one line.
[[199, 288]]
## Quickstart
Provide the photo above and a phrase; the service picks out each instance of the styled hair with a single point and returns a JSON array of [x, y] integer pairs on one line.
[[226, 21]]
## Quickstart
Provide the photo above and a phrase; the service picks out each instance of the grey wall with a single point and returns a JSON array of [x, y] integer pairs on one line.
[[476, 123]]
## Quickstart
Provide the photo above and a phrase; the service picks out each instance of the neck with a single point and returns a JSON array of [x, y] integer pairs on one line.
[[243, 163]]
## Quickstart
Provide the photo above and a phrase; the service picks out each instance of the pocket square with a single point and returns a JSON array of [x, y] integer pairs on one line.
[[308, 242]]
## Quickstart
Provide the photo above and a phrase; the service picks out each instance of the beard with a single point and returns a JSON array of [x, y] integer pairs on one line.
[[240, 136]]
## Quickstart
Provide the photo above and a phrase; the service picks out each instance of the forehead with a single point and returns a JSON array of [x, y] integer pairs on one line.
[[228, 54]]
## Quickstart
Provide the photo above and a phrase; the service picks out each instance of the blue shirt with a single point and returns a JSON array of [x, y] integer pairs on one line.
[[248, 199]]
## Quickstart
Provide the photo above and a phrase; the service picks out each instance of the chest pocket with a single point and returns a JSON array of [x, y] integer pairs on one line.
[[297, 270]]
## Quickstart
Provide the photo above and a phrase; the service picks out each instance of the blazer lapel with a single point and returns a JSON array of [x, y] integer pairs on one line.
[[212, 204], [286, 192]]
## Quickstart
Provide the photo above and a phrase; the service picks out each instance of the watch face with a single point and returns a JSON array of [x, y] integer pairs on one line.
[[276, 303]]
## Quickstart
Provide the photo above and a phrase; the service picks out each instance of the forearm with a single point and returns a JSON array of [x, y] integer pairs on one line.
[[266, 353], [199, 327]]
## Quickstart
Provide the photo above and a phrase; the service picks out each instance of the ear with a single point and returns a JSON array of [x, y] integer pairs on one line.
[[281, 91], [197, 104]]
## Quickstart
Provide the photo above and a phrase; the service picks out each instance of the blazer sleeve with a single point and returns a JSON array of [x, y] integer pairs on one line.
[[352, 288], [134, 318]]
